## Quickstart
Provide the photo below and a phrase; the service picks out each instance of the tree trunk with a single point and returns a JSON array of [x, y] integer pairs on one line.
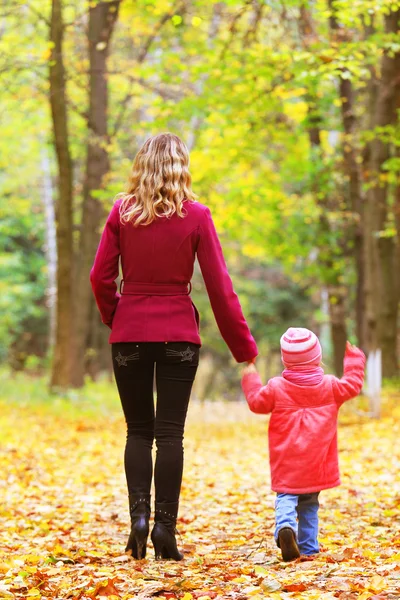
[[337, 314], [337, 293], [382, 252], [98, 356], [61, 367], [387, 256], [102, 18], [353, 173], [352, 170], [51, 249], [397, 223]]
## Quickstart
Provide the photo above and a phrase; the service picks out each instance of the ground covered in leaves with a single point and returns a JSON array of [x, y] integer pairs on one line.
[[64, 515]]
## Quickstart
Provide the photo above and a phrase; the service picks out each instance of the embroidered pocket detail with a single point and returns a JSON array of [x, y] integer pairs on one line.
[[123, 360], [184, 354]]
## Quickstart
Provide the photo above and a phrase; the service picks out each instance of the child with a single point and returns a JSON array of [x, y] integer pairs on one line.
[[302, 433]]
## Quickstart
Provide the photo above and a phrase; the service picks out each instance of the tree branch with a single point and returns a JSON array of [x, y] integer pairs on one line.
[[140, 59], [39, 15], [251, 33], [233, 27]]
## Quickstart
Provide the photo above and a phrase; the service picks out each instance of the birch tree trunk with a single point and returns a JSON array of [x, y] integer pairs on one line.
[[51, 248]]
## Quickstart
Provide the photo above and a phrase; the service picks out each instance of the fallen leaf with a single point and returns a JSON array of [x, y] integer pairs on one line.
[[270, 585], [5, 592], [295, 587], [104, 588]]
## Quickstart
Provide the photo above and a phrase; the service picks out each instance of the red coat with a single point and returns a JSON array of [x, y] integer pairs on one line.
[[303, 426], [157, 264]]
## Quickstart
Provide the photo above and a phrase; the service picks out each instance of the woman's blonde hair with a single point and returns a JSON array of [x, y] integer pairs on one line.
[[159, 182]]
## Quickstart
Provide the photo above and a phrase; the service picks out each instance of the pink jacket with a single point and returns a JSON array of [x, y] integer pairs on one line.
[[303, 426], [157, 264]]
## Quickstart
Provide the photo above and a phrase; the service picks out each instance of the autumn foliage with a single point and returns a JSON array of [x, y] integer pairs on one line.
[[64, 513]]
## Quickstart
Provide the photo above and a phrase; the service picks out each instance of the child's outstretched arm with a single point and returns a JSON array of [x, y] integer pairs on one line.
[[259, 398], [350, 385]]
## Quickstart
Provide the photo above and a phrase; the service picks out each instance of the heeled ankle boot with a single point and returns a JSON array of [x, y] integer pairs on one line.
[[139, 508], [163, 534]]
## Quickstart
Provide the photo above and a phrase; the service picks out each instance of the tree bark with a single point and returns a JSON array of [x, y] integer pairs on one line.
[[337, 316], [102, 19], [337, 292], [353, 173], [51, 249], [382, 251], [97, 359], [61, 367]]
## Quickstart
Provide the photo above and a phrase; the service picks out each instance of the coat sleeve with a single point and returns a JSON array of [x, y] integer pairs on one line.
[[224, 301], [259, 398], [350, 385], [106, 267]]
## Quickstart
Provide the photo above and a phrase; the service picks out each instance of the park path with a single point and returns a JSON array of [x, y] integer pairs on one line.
[[64, 517]]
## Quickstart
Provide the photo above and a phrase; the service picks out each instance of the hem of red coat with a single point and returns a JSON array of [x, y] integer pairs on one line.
[[306, 490]]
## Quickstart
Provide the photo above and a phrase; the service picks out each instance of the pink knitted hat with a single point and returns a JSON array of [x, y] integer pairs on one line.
[[300, 346]]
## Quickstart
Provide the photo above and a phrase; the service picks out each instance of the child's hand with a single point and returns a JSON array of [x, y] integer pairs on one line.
[[353, 350], [249, 368]]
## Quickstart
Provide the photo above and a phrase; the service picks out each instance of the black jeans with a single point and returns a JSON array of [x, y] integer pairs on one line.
[[174, 365]]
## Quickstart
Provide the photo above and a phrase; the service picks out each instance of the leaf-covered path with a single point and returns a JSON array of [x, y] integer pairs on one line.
[[64, 517]]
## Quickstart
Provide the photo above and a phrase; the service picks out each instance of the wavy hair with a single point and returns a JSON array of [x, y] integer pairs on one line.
[[159, 183]]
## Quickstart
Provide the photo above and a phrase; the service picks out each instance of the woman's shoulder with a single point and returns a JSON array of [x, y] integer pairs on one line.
[[117, 203], [114, 209], [113, 214], [196, 208], [199, 213]]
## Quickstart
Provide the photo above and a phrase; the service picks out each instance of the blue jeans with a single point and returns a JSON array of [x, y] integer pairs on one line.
[[300, 513]]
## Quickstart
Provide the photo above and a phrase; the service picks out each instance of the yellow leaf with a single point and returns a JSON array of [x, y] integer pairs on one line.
[[187, 596], [394, 558], [377, 584], [46, 54], [364, 596], [371, 555], [33, 559]]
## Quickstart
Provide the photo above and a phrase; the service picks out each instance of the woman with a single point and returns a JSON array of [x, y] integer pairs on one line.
[[158, 228]]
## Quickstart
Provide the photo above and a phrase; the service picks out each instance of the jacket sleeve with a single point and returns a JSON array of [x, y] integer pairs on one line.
[[259, 398], [105, 268], [350, 385], [224, 301]]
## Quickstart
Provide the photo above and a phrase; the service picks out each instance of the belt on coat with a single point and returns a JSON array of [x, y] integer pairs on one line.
[[133, 288]]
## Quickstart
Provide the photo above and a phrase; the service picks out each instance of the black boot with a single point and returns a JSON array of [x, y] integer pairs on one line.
[[139, 508], [163, 534], [288, 545]]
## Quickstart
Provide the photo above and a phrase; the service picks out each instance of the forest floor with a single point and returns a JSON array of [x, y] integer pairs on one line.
[[64, 515]]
